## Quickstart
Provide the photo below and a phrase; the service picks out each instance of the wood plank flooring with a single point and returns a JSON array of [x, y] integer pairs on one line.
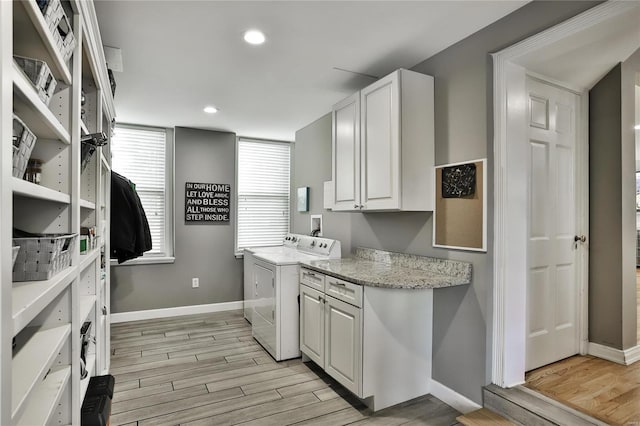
[[484, 417], [602, 389], [208, 370]]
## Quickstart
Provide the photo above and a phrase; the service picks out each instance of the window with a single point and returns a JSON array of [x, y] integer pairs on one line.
[[263, 193], [144, 156]]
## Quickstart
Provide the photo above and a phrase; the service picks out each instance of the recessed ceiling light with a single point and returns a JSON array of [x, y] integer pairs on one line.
[[210, 109], [254, 37]]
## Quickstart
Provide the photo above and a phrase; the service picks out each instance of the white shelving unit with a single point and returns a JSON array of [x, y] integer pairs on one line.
[[91, 368], [33, 360], [41, 381], [87, 303], [86, 204], [29, 298], [46, 397], [31, 190]]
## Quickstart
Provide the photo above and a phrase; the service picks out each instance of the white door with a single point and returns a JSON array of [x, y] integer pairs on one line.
[[312, 324], [343, 344], [380, 144], [552, 287], [346, 153]]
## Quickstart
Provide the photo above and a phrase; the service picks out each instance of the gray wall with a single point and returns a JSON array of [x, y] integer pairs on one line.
[[613, 309], [629, 77], [605, 212], [203, 251], [464, 125], [312, 167]]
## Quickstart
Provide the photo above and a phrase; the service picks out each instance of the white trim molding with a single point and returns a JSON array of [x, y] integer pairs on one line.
[[510, 189], [175, 312], [453, 398], [624, 357]]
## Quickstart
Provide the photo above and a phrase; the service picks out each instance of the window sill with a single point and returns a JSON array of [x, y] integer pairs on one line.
[[239, 255], [145, 261]]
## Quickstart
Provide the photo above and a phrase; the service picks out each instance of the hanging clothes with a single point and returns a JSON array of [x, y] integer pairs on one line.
[[130, 234]]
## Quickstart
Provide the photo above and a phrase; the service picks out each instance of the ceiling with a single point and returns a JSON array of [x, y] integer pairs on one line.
[[179, 56], [587, 55]]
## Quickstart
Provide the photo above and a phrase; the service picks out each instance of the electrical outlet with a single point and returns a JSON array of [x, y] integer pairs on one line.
[[195, 282]]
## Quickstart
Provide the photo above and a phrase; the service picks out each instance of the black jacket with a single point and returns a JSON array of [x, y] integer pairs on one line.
[[130, 235]]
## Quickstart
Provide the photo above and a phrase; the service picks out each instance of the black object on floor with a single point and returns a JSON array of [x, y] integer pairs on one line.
[[95, 411], [101, 385]]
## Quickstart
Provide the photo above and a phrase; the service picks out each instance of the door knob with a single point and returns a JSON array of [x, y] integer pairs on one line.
[[581, 238]]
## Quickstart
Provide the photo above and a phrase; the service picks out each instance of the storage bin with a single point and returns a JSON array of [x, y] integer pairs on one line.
[[40, 76], [23, 142], [59, 25], [42, 256]]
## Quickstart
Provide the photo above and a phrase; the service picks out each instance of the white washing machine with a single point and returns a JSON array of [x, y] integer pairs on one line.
[[289, 242], [275, 307]]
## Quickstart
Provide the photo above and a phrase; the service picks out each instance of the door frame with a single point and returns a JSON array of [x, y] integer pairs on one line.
[[511, 194]]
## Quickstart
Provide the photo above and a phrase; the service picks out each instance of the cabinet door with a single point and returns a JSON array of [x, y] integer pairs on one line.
[[346, 154], [312, 324], [380, 144], [343, 350]]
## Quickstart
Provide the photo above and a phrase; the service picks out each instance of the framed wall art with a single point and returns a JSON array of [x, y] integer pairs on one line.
[[460, 216]]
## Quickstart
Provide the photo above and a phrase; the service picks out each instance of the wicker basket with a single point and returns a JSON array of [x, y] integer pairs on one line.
[[40, 75], [23, 143], [42, 256], [59, 25]]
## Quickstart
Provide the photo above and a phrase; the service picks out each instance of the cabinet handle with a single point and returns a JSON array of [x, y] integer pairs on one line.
[[339, 284], [310, 275], [355, 206]]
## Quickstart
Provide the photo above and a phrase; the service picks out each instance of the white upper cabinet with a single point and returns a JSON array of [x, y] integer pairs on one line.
[[346, 153], [383, 146]]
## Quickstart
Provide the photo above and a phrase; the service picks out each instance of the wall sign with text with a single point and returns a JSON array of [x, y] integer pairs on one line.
[[207, 202]]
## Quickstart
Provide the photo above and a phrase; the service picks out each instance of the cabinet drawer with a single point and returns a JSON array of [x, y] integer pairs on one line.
[[343, 290], [312, 279]]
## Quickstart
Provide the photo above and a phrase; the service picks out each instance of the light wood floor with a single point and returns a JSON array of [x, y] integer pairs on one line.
[[208, 370], [602, 389]]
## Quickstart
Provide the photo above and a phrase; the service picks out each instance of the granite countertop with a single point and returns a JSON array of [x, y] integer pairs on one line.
[[379, 268]]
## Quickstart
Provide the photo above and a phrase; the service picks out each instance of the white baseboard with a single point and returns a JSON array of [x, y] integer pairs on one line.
[[632, 355], [624, 357], [605, 352], [453, 398], [175, 312]]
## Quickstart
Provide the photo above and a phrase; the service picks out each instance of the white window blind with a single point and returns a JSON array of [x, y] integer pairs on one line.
[[139, 154], [263, 193]]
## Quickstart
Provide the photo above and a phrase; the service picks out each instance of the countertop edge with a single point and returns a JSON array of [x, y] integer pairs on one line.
[[453, 281]]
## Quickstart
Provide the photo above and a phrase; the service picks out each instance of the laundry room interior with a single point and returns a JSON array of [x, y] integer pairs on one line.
[[309, 212]]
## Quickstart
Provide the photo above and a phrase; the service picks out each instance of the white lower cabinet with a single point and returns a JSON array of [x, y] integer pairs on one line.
[[343, 344], [312, 324], [376, 342], [331, 336]]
